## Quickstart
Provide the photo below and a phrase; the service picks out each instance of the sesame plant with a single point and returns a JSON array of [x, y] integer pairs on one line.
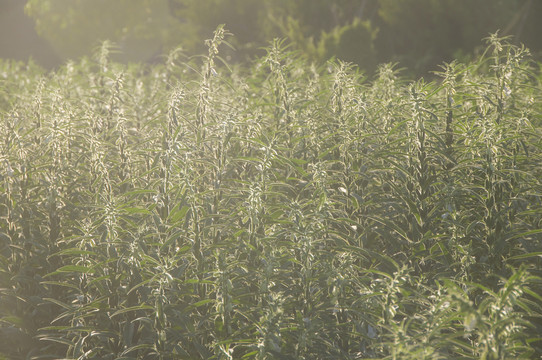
[[278, 210]]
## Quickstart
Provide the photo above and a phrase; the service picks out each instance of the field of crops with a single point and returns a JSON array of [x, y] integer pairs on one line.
[[191, 210]]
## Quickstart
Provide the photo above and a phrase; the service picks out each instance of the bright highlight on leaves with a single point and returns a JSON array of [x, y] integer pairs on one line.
[[280, 211]]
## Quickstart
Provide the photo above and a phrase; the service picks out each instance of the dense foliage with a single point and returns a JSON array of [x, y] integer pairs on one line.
[[187, 210], [418, 34]]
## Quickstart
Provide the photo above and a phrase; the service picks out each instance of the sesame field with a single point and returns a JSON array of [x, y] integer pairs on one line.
[[189, 209]]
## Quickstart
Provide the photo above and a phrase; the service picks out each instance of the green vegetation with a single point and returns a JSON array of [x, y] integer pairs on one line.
[[189, 210], [417, 34]]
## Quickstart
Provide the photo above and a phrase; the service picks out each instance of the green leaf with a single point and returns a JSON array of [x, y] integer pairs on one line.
[[202, 302], [75, 268], [247, 355], [392, 226], [73, 251], [178, 214], [132, 308], [134, 348], [59, 303], [72, 269], [58, 283]]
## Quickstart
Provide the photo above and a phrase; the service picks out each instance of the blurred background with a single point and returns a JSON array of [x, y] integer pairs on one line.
[[417, 34]]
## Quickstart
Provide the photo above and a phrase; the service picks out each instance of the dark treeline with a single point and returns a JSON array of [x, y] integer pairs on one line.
[[417, 34]]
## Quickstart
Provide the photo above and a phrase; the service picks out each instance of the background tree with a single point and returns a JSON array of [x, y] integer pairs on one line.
[[422, 33], [141, 28], [415, 33]]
